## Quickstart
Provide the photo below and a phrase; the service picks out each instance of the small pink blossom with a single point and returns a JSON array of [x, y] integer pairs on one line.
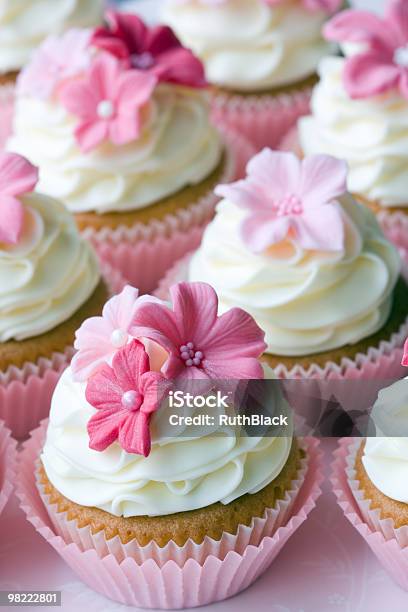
[[329, 6], [99, 338], [17, 177], [108, 102], [57, 59], [383, 65], [199, 343], [155, 50], [125, 396], [289, 198]]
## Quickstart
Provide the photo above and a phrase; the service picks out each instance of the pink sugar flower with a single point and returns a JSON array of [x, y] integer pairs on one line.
[[17, 177], [156, 50], [289, 198], [199, 343], [99, 338], [125, 396], [108, 101], [57, 59], [383, 65]]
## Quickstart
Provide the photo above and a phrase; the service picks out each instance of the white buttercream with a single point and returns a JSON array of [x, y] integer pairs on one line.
[[24, 24], [370, 134], [305, 301], [48, 275], [385, 459], [249, 45], [180, 474], [178, 147]]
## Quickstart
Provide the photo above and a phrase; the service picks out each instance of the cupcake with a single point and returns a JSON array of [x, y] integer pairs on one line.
[[260, 56], [370, 481], [24, 26], [156, 504], [8, 462], [293, 248], [360, 109], [50, 284], [119, 126]]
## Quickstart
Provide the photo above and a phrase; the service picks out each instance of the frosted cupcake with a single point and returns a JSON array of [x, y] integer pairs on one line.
[[293, 248], [50, 282], [359, 109], [24, 26], [370, 480], [261, 56], [113, 474], [118, 122]]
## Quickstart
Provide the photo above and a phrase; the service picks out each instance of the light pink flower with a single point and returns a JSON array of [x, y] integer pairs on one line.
[[125, 396], [200, 344], [57, 59], [289, 198], [99, 338], [156, 50], [17, 177], [108, 101], [383, 65], [328, 6]]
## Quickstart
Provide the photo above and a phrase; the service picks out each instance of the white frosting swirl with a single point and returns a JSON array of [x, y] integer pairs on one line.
[[249, 45], [177, 147], [180, 474], [305, 301], [370, 134], [24, 24], [385, 459], [48, 275]]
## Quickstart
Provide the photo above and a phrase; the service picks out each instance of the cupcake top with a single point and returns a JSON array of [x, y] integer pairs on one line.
[[47, 271], [253, 45], [115, 118], [360, 105], [291, 246], [108, 442], [25, 23]]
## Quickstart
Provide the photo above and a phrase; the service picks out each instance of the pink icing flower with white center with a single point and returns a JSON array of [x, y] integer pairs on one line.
[[125, 396], [329, 6], [383, 65], [99, 338], [289, 198], [156, 50], [199, 343], [108, 102], [57, 59], [17, 177]]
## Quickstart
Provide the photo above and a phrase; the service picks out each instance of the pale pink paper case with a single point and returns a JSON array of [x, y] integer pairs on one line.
[[26, 392], [8, 464], [143, 253], [388, 544], [175, 577], [381, 362], [263, 119]]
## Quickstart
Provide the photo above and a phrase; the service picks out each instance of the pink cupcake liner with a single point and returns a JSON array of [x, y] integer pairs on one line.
[[8, 464], [144, 252], [6, 112], [26, 392], [262, 119], [381, 362], [180, 581], [388, 544]]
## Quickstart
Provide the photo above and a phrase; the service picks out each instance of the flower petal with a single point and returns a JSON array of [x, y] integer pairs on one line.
[[156, 322], [321, 230], [195, 307], [234, 335], [369, 74], [90, 134], [134, 434], [180, 66], [396, 13], [244, 194], [153, 387], [237, 368], [103, 428], [358, 26], [323, 178], [260, 231], [129, 363], [276, 172], [103, 391], [17, 175], [118, 311], [11, 219]]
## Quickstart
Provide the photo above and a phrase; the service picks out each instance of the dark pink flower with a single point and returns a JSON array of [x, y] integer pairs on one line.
[[125, 396], [108, 101], [200, 344], [156, 50], [383, 63], [289, 198], [17, 177]]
